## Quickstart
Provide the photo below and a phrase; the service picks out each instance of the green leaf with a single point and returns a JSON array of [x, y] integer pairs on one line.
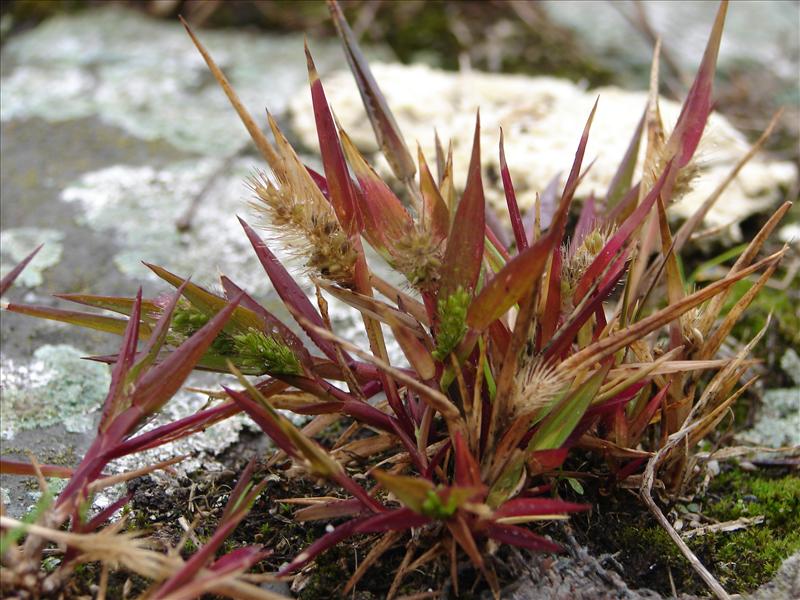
[[564, 416]]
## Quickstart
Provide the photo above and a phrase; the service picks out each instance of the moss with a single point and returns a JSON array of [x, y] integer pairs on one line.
[[747, 558], [742, 560]]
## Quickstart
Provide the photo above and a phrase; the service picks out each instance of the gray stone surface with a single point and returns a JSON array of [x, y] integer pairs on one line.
[[109, 125], [758, 34], [106, 140]]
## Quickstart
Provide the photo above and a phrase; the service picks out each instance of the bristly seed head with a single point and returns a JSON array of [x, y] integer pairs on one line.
[[576, 260], [418, 256], [307, 227], [537, 386], [187, 320]]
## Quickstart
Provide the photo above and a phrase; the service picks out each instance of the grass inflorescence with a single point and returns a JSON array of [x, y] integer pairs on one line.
[[582, 341]]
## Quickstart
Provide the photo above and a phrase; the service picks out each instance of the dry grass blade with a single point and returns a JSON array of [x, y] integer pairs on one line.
[[740, 523], [260, 140], [676, 441], [101, 484], [686, 230], [713, 343], [646, 493], [377, 550], [716, 304], [720, 381], [609, 345], [402, 570]]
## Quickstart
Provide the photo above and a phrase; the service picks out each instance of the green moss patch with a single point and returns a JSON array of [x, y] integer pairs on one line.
[[742, 560], [747, 558]]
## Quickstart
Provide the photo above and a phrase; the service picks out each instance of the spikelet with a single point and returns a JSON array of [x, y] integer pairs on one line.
[[537, 386], [691, 326], [659, 153], [418, 256], [576, 258], [301, 218]]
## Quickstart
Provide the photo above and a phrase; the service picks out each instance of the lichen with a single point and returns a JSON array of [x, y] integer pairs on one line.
[[57, 386], [777, 423], [95, 63], [129, 201]]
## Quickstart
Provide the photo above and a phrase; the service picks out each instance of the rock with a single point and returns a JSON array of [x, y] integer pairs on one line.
[[542, 118], [778, 423], [785, 584], [106, 140], [18, 242], [576, 576], [96, 64], [614, 42]]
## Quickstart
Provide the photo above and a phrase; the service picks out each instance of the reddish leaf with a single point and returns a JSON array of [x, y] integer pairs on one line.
[[161, 382], [463, 535], [105, 514], [156, 340], [511, 200], [434, 208], [340, 186], [239, 560], [566, 335], [620, 399], [9, 278], [399, 519], [587, 221], [642, 420], [175, 430], [513, 281], [697, 106], [291, 293], [271, 324], [321, 182], [241, 320], [519, 275], [464, 253], [552, 307], [524, 507], [547, 208], [117, 398], [562, 211], [262, 418], [16, 467], [620, 238], [88, 320], [387, 133], [521, 537], [395, 520], [385, 218], [151, 309], [543, 461], [467, 470], [329, 510], [623, 178]]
